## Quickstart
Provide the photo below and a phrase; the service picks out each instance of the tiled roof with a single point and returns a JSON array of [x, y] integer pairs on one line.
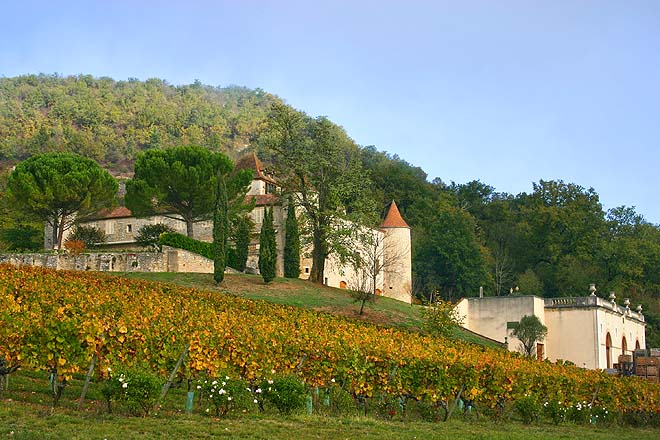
[[393, 218], [252, 162], [119, 212], [266, 199]]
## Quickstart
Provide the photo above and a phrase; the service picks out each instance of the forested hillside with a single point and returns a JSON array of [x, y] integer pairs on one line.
[[111, 121], [553, 241]]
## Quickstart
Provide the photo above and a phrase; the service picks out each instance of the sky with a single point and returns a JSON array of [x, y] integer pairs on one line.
[[503, 91]]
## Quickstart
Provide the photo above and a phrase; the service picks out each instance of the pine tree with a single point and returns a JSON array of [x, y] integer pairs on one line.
[[292, 243], [220, 230], [267, 248]]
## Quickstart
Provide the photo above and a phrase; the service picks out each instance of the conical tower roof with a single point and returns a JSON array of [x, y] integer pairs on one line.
[[393, 218]]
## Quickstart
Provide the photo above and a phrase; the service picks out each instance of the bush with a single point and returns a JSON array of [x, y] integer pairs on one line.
[[555, 411], [441, 318], [226, 394], [528, 408], [286, 393], [149, 235], [186, 243], [136, 389], [89, 235], [74, 246]]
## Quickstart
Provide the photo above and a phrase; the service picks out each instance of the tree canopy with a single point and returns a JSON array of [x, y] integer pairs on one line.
[[60, 189], [321, 166], [181, 183]]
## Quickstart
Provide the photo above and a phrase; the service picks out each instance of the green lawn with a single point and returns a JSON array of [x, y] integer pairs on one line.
[[25, 413]]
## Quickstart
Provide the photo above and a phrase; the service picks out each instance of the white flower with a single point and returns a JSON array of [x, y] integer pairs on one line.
[[125, 385], [332, 380], [215, 382], [199, 387], [226, 377], [222, 391], [109, 369], [224, 384], [258, 391], [255, 401], [208, 409], [270, 381], [228, 397], [272, 371], [248, 388]]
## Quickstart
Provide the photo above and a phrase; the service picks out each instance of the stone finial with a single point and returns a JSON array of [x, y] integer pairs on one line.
[[626, 302], [612, 296], [639, 308], [592, 289]]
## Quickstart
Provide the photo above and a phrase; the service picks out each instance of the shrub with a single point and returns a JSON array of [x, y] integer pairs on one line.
[[528, 408], [555, 411], [286, 393], [225, 394], [74, 246], [186, 243], [149, 235], [89, 235], [440, 317], [136, 389]]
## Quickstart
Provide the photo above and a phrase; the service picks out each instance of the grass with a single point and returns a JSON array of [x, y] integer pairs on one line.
[[26, 413], [300, 293]]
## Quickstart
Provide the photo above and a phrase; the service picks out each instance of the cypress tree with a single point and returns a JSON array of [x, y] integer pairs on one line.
[[243, 229], [267, 248], [220, 230], [292, 243]]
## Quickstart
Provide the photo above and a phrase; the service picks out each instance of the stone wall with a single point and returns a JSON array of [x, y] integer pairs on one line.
[[170, 260]]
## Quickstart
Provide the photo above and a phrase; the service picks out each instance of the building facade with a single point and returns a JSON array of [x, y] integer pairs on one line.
[[589, 331], [392, 251]]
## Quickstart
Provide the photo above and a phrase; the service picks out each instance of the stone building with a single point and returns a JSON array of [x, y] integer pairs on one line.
[[589, 331], [392, 238]]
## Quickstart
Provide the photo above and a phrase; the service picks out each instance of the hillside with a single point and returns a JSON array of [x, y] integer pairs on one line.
[[111, 121], [553, 241], [62, 319]]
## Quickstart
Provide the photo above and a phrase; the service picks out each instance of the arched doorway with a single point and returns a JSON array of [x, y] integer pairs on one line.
[[378, 292], [637, 346], [608, 350], [624, 345], [342, 285]]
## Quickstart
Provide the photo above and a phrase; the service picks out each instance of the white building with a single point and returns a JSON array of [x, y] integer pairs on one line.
[[393, 237], [589, 331]]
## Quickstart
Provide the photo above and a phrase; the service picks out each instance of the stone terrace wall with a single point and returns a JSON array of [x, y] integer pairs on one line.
[[170, 260]]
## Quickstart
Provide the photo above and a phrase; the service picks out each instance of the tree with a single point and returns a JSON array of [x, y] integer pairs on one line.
[[220, 230], [89, 235], [178, 182], [267, 248], [60, 189], [448, 256], [529, 330], [322, 167], [374, 256], [291, 242], [243, 229], [149, 235], [441, 318]]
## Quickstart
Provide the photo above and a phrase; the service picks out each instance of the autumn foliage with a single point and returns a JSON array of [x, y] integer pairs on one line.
[[62, 319]]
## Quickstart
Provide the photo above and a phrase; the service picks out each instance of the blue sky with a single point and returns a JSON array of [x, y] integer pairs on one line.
[[507, 92]]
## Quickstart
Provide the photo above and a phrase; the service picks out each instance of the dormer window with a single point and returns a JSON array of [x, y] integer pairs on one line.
[[270, 188]]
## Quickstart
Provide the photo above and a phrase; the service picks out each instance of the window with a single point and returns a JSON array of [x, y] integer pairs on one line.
[[110, 227], [307, 270], [608, 350], [129, 228], [270, 188]]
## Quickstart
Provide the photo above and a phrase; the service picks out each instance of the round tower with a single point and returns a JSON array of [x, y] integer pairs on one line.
[[397, 256]]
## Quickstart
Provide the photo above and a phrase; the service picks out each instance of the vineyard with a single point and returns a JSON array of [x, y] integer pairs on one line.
[[61, 320]]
